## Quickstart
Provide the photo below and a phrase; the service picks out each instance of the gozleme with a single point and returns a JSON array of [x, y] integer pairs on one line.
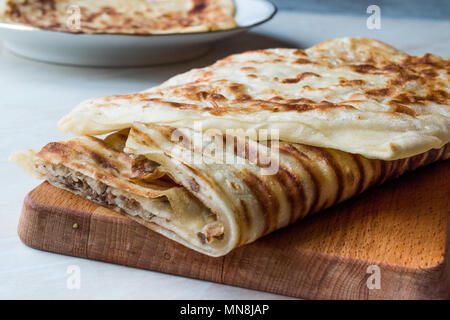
[[122, 16]]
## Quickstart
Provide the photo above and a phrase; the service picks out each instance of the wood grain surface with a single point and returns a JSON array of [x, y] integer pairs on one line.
[[402, 227]]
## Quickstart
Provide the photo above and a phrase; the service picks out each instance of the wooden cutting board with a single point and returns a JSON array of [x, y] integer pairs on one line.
[[401, 227]]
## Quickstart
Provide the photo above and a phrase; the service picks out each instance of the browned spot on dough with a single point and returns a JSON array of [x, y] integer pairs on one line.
[[363, 68], [199, 6], [329, 159], [361, 172], [244, 97], [267, 201], [300, 77], [304, 161], [301, 100], [439, 96], [248, 69], [303, 61], [246, 217], [408, 99], [276, 98], [295, 192], [393, 67], [429, 73], [236, 87], [55, 148], [351, 83], [101, 160], [217, 96], [299, 52], [379, 92], [142, 137], [404, 109]]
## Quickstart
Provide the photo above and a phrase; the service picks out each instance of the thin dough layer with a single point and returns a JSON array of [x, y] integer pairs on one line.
[[356, 95]]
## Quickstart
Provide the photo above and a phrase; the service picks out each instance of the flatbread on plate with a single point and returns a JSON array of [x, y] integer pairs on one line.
[[122, 16]]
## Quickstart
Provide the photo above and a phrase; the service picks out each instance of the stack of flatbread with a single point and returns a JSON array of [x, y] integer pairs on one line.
[[122, 16], [218, 157]]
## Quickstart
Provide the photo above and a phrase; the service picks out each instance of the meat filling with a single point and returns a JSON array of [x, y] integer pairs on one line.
[[115, 199], [98, 192]]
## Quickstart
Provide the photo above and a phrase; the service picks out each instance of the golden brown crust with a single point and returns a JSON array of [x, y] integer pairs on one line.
[[400, 78], [309, 179], [400, 75], [246, 203]]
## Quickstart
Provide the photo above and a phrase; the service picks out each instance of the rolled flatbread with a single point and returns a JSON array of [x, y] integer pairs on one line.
[[122, 16], [218, 157], [203, 193]]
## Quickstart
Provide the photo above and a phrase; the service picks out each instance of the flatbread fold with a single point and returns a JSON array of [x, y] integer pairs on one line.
[[209, 206], [122, 16], [348, 114], [351, 94]]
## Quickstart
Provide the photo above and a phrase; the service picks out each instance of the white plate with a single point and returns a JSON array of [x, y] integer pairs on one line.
[[126, 50]]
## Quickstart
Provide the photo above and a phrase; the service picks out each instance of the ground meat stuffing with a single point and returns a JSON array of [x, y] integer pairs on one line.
[[92, 190], [106, 196]]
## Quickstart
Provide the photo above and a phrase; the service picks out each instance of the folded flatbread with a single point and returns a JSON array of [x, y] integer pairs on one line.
[[356, 95], [122, 16], [210, 206], [347, 114]]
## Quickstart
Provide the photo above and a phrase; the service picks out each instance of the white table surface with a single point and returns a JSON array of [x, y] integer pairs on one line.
[[34, 95]]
